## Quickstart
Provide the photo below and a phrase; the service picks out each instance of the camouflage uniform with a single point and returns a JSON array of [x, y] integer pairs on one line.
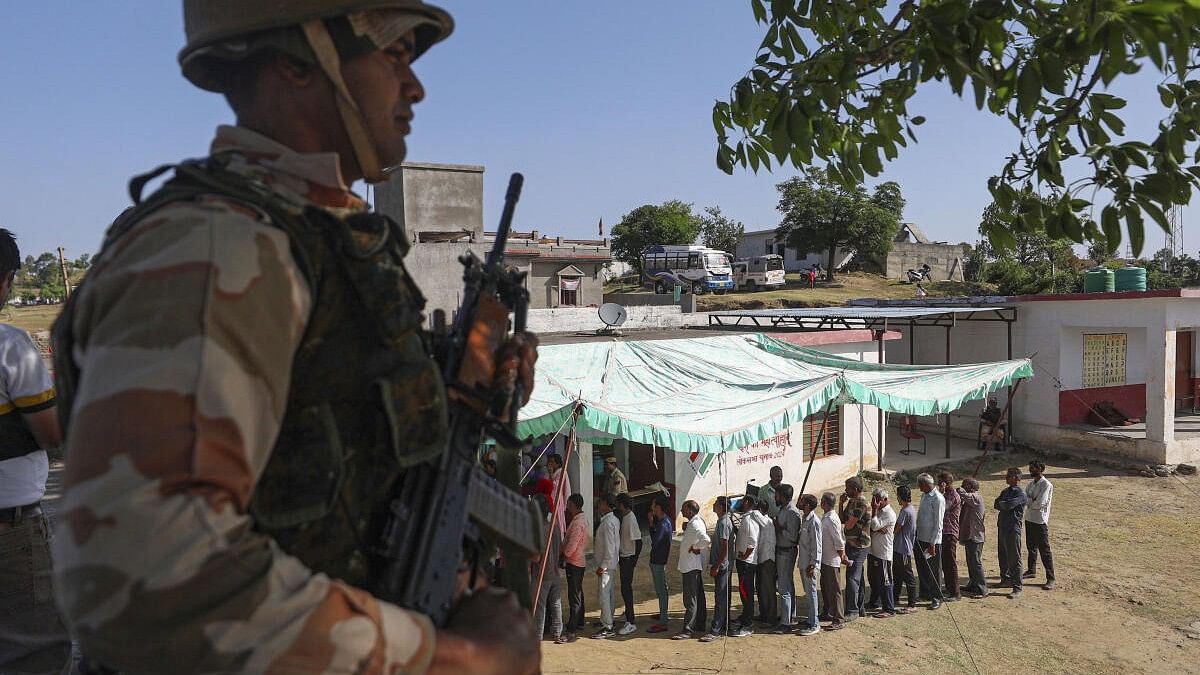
[[187, 334]]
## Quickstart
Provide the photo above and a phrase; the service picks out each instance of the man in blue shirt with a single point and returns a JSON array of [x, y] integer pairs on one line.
[[661, 531], [930, 516], [1011, 507], [902, 550]]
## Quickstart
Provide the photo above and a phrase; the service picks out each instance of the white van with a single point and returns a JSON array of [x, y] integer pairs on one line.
[[764, 271]]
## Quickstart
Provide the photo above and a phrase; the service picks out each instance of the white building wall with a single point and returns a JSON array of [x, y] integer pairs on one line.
[[1051, 332]]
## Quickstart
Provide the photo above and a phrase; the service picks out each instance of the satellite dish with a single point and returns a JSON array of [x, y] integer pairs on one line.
[[613, 315]]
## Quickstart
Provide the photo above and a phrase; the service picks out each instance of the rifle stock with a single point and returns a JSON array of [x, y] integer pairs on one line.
[[448, 515]]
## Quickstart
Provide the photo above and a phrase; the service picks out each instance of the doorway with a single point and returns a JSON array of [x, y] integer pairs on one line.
[[1185, 384]]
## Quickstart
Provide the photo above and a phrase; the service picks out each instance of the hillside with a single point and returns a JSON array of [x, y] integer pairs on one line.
[[844, 287]]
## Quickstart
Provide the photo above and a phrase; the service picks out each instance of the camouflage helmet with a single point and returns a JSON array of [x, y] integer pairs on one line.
[[325, 33], [231, 30]]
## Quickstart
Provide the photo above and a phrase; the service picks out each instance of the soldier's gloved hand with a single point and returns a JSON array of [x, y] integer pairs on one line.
[[517, 358], [488, 634]]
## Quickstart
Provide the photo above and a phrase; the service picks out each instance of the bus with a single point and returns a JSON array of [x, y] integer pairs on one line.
[[764, 271], [696, 268]]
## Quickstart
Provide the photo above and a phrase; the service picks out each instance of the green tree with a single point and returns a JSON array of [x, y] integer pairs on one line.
[[719, 231], [648, 225], [822, 214], [1034, 264], [832, 81]]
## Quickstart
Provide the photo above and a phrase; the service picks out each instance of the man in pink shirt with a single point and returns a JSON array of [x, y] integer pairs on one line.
[[574, 545]]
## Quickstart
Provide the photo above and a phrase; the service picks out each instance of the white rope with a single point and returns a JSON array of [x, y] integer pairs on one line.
[[547, 447]]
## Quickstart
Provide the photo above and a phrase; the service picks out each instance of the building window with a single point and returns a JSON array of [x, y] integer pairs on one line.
[[770, 246], [1104, 360], [568, 291], [781, 250], [831, 442]]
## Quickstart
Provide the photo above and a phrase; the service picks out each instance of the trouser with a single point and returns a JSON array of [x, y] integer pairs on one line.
[[880, 573], [902, 578], [928, 570], [32, 635], [658, 573], [608, 598], [549, 601], [695, 614], [786, 581], [949, 555], [575, 598], [810, 593], [855, 595], [768, 608], [1008, 546], [628, 564], [747, 572], [978, 582], [1037, 540], [720, 622], [831, 593]]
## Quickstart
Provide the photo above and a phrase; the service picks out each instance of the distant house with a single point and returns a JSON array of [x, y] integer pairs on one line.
[[911, 249], [440, 207], [764, 242]]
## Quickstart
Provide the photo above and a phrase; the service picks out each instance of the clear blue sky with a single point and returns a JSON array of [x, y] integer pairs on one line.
[[603, 107]]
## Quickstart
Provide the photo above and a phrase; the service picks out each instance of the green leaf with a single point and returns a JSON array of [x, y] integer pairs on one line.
[[1053, 72], [1029, 90], [1110, 222], [918, 120], [725, 158], [1137, 234]]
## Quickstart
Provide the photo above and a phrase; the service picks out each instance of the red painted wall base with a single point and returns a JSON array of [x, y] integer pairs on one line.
[[1074, 404]]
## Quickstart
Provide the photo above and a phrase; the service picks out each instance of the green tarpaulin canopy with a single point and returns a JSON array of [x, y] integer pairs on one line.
[[716, 394]]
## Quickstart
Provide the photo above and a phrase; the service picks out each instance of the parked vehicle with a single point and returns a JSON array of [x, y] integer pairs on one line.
[[764, 271], [695, 268]]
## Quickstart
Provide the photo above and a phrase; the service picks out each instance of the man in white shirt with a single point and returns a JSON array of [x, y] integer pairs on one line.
[[32, 635], [1037, 522], [691, 566], [879, 562], [606, 551], [768, 605], [630, 549], [929, 540], [746, 546], [833, 556], [808, 561]]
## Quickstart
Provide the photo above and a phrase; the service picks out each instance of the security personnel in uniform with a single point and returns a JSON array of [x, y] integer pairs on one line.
[[247, 376]]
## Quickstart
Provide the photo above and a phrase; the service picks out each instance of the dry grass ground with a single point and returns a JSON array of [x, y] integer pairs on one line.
[[844, 287], [1125, 557], [33, 319]]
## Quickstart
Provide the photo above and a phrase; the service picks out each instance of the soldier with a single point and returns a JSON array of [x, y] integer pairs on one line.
[[614, 480], [248, 373]]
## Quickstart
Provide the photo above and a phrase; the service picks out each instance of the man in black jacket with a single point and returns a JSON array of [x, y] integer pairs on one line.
[[1009, 520]]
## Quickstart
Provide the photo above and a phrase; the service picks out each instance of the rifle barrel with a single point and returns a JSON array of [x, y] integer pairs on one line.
[[515, 182]]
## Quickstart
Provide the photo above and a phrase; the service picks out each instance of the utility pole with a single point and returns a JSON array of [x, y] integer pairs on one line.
[[62, 266]]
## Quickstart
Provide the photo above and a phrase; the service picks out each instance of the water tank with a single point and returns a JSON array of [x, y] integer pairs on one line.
[[1099, 280], [1131, 279]]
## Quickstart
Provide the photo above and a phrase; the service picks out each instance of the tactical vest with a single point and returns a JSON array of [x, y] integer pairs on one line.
[[366, 398]]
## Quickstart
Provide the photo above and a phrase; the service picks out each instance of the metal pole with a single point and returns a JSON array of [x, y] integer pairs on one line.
[[879, 412], [947, 412], [912, 341], [1008, 325], [62, 267]]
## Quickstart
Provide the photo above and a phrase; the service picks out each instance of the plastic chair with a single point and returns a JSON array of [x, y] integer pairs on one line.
[[910, 434]]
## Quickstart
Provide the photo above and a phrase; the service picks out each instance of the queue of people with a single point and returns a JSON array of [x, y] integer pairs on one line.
[[889, 554]]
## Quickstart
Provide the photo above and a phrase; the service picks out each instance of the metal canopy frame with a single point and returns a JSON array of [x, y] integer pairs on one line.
[[878, 320], [859, 318]]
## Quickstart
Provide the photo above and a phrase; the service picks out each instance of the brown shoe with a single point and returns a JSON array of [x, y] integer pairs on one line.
[[836, 625]]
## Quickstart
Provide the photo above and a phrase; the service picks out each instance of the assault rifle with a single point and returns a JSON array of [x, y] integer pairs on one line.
[[448, 513]]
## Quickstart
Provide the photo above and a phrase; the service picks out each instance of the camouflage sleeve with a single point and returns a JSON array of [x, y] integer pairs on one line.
[[186, 331]]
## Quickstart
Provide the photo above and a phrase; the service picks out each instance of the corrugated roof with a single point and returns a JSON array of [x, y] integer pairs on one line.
[[855, 312]]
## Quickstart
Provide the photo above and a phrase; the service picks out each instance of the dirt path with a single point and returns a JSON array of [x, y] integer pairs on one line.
[[1125, 556]]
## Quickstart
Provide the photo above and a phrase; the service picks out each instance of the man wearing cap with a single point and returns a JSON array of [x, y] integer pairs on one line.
[[614, 480], [246, 374]]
